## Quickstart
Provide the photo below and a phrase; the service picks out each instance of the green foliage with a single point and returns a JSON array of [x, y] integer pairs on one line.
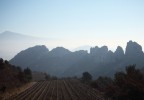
[[86, 77], [127, 86]]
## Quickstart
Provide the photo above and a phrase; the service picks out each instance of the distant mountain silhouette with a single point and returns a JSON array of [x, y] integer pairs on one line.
[[30, 55], [13, 36], [11, 43], [134, 53], [85, 47], [59, 52], [62, 62], [119, 53]]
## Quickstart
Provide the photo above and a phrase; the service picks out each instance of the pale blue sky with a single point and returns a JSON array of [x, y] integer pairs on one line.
[[81, 22]]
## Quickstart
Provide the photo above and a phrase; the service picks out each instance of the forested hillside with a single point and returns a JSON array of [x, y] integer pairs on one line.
[[13, 76]]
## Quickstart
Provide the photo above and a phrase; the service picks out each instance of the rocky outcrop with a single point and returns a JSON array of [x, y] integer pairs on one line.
[[99, 53], [62, 62], [134, 53], [119, 54], [133, 49]]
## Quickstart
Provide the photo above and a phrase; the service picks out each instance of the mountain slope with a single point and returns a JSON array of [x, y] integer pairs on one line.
[[62, 62], [29, 56]]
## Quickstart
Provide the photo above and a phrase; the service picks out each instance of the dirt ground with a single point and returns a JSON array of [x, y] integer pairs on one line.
[[60, 90], [11, 92]]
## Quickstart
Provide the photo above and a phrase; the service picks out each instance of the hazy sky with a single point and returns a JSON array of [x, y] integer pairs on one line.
[[81, 22]]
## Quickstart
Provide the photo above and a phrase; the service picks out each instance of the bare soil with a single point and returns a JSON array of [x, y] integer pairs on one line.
[[59, 90]]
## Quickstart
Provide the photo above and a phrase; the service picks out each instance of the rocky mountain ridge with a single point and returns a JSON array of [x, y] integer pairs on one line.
[[62, 62]]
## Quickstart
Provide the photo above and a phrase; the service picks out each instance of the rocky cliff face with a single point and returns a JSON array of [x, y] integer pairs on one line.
[[134, 53], [99, 53], [133, 49], [119, 53], [109, 57], [62, 62]]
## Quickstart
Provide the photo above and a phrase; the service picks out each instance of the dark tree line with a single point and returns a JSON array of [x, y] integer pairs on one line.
[[86, 77], [128, 85], [11, 75], [24, 75], [49, 77]]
